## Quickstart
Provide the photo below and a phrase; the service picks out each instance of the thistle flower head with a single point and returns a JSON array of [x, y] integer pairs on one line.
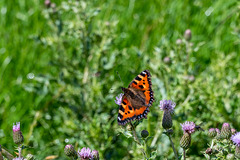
[[226, 131], [185, 140], [70, 151], [17, 134], [167, 106], [16, 127], [236, 139], [217, 130], [95, 155], [85, 153], [188, 127], [118, 100]]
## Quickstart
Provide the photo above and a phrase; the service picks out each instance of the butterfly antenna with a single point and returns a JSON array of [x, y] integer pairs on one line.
[[120, 78]]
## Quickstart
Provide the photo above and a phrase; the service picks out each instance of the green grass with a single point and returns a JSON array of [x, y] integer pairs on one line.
[[141, 33]]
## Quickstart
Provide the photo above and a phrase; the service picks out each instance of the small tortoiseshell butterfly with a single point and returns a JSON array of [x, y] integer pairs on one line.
[[137, 99]]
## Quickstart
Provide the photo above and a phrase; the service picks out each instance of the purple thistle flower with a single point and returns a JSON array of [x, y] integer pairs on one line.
[[217, 130], [167, 105], [118, 100], [188, 127], [16, 127], [236, 139], [18, 158], [85, 153]]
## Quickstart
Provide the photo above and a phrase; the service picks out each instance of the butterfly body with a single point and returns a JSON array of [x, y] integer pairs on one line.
[[137, 99]]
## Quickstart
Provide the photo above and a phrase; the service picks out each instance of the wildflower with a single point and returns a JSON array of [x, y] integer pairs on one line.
[[218, 136], [212, 132], [236, 139], [85, 154], [188, 35], [118, 100], [225, 131], [95, 155], [17, 158], [144, 133], [188, 127], [17, 134], [168, 107], [70, 151]]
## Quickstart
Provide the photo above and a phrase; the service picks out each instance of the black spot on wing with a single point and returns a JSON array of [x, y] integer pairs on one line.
[[130, 107], [138, 78], [141, 86], [135, 82], [121, 108], [124, 103]]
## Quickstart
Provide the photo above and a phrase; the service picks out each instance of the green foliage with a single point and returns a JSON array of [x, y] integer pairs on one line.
[[59, 64]]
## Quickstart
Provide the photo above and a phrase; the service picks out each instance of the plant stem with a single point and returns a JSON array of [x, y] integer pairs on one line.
[[19, 151], [134, 134], [137, 140], [174, 150], [184, 154]]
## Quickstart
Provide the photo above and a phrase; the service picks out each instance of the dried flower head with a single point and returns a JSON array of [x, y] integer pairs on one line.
[[118, 100], [85, 154], [167, 106], [188, 127], [236, 139]]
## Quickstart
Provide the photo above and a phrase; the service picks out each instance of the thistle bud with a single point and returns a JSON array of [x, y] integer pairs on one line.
[[226, 131], [230, 156], [95, 155], [70, 151], [47, 3], [17, 134], [185, 140], [167, 120], [188, 35], [212, 132], [218, 136], [144, 133], [233, 131]]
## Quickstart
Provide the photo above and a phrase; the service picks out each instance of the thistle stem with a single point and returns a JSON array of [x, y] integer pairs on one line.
[[19, 151], [134, 134], [137, 140], [184, 154], [172, 144]]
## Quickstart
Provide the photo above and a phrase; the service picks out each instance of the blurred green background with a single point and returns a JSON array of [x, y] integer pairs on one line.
[[59, 64]]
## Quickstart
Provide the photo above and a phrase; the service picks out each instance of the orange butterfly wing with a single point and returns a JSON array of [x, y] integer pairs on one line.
[[126, 112]]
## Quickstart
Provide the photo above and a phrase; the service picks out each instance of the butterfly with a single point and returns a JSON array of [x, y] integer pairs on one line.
[[137, 99]]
